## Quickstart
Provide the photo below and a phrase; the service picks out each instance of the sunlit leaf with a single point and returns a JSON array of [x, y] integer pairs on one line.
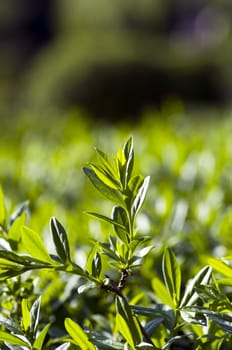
[[123, 328], [34, 245], [220, 266], [105, 190], [19, 211], [10, 324], [96, 265], [106, 177], [38, 343], [2, 208], [202, 278], [26, 317], [125, 161], [13, 339], [60, 239], [106, 163], [78, 334], [122, 227], [140, 196], [14, 233], [172, 275], [162, 292], [106, 219], [34, 315], [126, 313]]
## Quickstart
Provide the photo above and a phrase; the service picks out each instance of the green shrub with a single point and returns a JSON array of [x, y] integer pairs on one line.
[[133, 291]]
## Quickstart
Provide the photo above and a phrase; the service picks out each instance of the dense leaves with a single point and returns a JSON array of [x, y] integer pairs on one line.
[[130, 290]]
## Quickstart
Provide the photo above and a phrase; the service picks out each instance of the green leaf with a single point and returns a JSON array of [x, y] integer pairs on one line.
[[11, 272], [34, 245], [140, 197], [122, 226], [220, 266], [125, 161], [172, 275], [106, 163], [34, 315], [128, 151], [88, 265], [26, 317], [106, 177], [109, 252], [78, 335], [11, 325], [8, 258], [19, 211], [38, 343], [162, 292], [8, 264], [96, 265], [105, 219], [13, 339], [202, 278], [2, 208], [60, 240], [14, 233], [222, 319], [103, 188], [124, 330], [124, 309]]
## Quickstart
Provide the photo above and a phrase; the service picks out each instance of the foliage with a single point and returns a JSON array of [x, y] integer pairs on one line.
[[130, 290]]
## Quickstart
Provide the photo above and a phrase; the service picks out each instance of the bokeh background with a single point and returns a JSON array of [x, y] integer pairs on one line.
[[114, 59]]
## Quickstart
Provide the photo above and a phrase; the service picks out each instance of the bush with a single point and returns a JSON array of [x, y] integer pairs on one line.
[[131, 291]]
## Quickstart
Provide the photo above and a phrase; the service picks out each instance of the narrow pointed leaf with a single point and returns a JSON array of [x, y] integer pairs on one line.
[[162, 292], [26, 317], [34, 245], [202, 278], [220, 266], [38, 343], [60, 240], [123, 328], [96, 265], [106, 177], [129, 156], [2, 208], [8, 258], [9, 273], [14, 233], [172, 275], [109, 252], [78, 335], [140, 196], [88, 265], [105, 162], [106, 219], [124, 309], [34, 315], [125, 161], [11, 325], [104, 189], [19, 211], [120, 217], [12, 339]]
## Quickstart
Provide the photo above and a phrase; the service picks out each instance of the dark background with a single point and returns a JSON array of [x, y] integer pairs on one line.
[[115, 59]]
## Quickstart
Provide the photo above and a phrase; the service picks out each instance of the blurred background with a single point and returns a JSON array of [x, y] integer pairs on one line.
[[114, 59]]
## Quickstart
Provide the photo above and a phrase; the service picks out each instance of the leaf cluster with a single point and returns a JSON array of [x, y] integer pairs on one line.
[[170, 312]]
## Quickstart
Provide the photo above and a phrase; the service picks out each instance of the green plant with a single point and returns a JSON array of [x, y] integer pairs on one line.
[[164, 313]]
